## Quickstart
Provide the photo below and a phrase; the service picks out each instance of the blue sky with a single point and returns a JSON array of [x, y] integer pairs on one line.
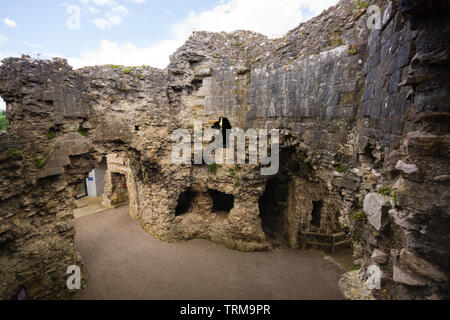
[[135, 32]]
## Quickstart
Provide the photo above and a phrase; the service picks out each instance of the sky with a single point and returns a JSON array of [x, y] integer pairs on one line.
[[135, 32]]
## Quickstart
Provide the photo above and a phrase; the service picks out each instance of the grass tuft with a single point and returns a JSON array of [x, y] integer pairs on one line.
[[361, 4], [213, 167], [82, 131], [385, 191]]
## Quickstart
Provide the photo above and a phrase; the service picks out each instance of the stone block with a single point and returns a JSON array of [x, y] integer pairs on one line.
[[77, 150], [48, 172], [406, 168], [203, 72], [400, 218], [407, 278], [421, 267], [376, 207], [379, 257]]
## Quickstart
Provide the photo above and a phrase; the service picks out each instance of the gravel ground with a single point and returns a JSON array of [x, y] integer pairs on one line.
[[123, 262]]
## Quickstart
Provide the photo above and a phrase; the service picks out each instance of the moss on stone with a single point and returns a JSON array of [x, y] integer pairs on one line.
[[50, 135], [115, 66], [40, 163], [213, 167], [14, 153], [82, 131], [394, 199], [336, 38], [361, 4], [354, 268], [385, 191]]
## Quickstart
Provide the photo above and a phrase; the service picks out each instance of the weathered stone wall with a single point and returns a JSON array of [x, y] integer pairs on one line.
[[405, 112], [350, 104], [39, 176]]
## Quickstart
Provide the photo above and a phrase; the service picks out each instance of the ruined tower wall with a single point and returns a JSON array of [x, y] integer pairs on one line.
[[350, 104], [405, 112]]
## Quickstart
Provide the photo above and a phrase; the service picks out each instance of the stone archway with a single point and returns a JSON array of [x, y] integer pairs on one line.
[[118, 180]]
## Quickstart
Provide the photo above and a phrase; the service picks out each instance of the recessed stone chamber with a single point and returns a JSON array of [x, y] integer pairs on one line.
[[185, 201], [222, 202]]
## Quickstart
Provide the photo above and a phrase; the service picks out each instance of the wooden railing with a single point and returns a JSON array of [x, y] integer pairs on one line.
[[333, 244]]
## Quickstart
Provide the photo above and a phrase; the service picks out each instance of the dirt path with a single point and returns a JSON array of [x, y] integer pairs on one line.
[[123, 262]]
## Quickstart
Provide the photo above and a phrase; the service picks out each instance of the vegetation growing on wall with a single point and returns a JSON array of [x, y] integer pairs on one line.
[[212, 167], [361, 4], [385, 191], [39, 162], [394, 199], [4, 123], [50, 135], [82, 131], [234, 173], [336, 38], [14, 153], [352, 51], [358, 220]]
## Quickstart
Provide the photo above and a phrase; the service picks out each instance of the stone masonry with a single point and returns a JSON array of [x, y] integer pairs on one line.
[[363, 116]]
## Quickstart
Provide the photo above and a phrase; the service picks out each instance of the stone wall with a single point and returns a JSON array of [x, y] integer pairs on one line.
[[405, 106], [358, 110]]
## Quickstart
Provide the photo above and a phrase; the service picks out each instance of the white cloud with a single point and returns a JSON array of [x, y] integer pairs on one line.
[[2, 104], [103, 2], [3, 39], [270, 17], [120, 10], [113, 16], [9, 23], [101, 23], [110, 52], [109, 21], [114, 11]]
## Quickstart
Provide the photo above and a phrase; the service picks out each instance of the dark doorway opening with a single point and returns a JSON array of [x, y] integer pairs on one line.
[[184, 202], [222, 202], [272, 209], [316, 214], [224, 126]]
